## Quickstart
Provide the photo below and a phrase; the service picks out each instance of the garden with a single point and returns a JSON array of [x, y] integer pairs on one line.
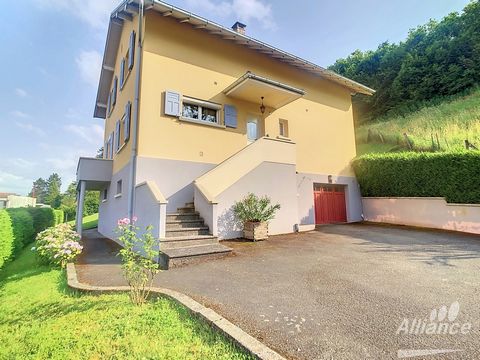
[[42, 318]]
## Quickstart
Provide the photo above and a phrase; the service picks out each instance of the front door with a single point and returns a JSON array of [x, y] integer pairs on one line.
[[252, 128], [330, 204]]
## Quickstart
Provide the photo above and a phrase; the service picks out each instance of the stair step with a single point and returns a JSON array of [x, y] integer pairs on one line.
[[187, 216], [180, 256], [186, 210], [182, 224], [189, 231], [190, 204], [186, 241]]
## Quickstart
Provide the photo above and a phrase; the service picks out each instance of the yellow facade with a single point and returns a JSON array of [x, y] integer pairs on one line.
[[200, 65], [127, 93]]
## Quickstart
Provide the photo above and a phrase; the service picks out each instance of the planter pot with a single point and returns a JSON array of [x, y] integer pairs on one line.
[[255, 230]]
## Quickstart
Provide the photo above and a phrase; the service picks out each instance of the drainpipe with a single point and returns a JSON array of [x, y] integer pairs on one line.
[[136, 111]]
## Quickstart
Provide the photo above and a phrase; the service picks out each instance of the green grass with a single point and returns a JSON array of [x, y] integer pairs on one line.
[[453, 121], [40, 318], [89, 222]]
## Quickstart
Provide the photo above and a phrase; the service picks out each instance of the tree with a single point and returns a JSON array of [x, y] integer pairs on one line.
[[99, 154], [53, 196], [69, 202], [39, 190], [436, 59]]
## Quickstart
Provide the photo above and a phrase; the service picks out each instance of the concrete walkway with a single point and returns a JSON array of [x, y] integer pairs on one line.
[[341, 292]]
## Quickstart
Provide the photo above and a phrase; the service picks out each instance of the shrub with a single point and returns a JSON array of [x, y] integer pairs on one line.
[[22, 225], [59, 216], [138, 259], [6, 237], [58, 245], [255, 209], [43, 218], [453, 175]]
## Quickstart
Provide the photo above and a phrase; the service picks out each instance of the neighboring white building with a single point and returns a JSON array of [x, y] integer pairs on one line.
[[11, 200]]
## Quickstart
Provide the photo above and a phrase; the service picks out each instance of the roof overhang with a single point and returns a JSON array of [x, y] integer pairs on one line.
[[126, 10], [252, 88]]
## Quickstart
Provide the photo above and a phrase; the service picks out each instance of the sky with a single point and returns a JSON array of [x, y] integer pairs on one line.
[[52, 50]]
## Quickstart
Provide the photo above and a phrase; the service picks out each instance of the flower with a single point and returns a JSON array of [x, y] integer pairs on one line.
[[134, 219], [33, 248]]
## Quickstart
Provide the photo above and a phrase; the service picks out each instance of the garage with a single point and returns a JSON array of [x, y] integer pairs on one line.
[[330, 204]]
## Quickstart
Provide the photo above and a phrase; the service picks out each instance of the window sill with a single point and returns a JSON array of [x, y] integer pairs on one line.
[[200, 122], [118, 196], [120, 148], [280, 137], [104, 200]]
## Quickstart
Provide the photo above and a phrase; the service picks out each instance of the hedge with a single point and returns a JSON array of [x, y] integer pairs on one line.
[[59, 217], [19, 226], [42, 218], [6, 237], [22, 225], [452, 175]]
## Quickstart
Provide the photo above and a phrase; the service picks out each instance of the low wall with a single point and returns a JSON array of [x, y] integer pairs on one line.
[[426, 212]]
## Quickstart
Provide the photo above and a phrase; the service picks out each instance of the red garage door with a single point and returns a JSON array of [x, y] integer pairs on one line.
[[329, 203]]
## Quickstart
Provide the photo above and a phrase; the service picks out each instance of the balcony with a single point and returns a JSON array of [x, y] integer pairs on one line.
[[96, 173]]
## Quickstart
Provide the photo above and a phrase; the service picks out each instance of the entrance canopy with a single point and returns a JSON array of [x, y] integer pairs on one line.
[[252, 88]]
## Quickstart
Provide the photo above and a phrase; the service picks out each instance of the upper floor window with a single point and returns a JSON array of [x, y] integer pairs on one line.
[[283, 127], [200, 110]]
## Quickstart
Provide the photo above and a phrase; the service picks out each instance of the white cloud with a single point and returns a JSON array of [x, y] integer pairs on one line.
[[21, 92], [89, 63], [243, 10], [10, 182], [92, 134], [31, 128], [93, 12], [21, 163], [19, 114]]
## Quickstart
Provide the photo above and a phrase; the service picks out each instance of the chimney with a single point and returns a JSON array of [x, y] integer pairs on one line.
[[239, 28]]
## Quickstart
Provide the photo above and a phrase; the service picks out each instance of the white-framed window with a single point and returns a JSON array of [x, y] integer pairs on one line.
[[283, 127], [105, 194], [198, 110], [119, 188]]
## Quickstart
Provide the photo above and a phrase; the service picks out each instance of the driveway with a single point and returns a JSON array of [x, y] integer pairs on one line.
[[341, 292]]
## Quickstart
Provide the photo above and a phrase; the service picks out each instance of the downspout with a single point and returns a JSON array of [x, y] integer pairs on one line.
[[134, 152]]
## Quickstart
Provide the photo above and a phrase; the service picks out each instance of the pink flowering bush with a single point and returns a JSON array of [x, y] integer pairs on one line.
[[58, 245]]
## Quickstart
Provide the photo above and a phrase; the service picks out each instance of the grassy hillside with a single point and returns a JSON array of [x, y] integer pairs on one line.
[[452, 122], [89, 222]]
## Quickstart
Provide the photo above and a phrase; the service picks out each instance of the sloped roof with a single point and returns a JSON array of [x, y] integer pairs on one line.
[[128, 8]]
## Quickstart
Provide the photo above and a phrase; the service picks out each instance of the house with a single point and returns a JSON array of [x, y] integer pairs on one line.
[[12, 200], [198, 115]]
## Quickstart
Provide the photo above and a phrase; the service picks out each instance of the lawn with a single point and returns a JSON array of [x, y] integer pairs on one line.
[[451, 122], [40, 318], [89, 222]]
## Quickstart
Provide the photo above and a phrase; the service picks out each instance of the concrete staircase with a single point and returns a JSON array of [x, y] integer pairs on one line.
[[187, 239]]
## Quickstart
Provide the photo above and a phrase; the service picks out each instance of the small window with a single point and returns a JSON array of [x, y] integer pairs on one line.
[[283, 124], [105, 194], [200, 110], [190, 111], [119, 188]]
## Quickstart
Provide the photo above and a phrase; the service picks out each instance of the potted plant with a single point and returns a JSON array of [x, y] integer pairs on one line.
[[255, 212]]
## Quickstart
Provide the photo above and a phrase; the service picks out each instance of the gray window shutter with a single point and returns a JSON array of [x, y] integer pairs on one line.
[[117, 135], [230, 116], [112, 140], [114, 91], [126, 129], [172, 103], [109, 103], [131, 51], [122, 73]]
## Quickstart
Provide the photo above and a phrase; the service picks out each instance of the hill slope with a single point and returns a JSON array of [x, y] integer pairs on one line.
[[452, 122]]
